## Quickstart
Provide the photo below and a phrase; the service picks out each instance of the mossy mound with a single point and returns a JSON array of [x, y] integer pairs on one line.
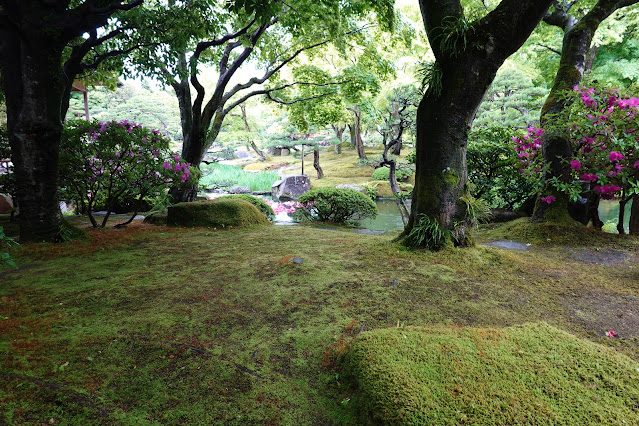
[[526, 231], [219, 213], [529, 374], [257, 202], [156, 218]]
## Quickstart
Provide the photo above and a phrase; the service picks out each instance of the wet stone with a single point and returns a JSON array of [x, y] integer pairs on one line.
[[509, 245]]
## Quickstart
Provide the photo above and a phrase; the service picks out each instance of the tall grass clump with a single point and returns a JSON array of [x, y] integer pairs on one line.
[[217, 175]]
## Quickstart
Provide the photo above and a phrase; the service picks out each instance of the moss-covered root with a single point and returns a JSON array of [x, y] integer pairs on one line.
[[527, 374]]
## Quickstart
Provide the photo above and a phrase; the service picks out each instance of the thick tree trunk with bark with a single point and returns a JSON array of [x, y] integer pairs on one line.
[[467, 65], [33, 85], [556, 148], [634, 216]]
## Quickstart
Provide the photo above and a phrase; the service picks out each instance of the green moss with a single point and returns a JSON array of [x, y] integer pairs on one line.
[[528, 374], [450, 177], [222, 212], [257, 202], [156, 218]]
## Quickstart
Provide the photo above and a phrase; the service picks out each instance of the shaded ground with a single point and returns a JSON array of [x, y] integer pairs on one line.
[[224, 327]]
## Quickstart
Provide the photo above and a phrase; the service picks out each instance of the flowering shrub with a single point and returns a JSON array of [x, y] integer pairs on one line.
[[602, 127], [103, 163]]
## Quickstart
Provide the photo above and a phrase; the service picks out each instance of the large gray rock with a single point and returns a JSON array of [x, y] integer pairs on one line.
[[240, 190], [349, 186], [6, 204], [291, 186]]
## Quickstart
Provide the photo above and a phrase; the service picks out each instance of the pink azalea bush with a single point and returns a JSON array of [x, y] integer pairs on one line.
[[603, 128], [102, 163]]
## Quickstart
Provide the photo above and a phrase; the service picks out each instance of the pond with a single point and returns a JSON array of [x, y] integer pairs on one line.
[[389, 218]]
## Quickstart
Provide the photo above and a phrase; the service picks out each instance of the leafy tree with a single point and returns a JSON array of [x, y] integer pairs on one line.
[[272, 34], [468, 54], [42, 51], [511, 100]]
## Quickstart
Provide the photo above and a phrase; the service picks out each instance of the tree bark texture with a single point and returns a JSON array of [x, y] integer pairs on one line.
[[37, 84], [33, 86], [557, 150], [468, 66], [339, 133]]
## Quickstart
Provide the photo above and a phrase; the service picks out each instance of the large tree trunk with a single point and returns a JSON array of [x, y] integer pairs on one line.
[[443, 121], [557, 150], [445, 114], [34, 87], [634, 215]]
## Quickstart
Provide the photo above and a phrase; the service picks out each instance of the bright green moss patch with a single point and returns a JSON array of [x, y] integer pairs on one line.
[[528, 374], [222, 212]]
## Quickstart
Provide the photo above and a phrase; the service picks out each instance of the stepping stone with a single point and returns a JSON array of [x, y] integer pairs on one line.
[[509, 245]]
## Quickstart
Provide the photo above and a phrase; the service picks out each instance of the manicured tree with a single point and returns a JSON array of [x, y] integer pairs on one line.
[[274, 33], [577, 40], [468, 55], [41, 52]]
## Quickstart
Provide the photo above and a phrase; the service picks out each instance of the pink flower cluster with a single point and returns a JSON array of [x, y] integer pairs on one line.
[[286, 207], [607, 191], [528, 146]]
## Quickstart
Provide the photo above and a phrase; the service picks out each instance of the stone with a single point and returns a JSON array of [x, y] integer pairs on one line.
[[509, 245], [291, 187], [349, 186], [6, 204], [240, 190], [284, 152], [297, 260]]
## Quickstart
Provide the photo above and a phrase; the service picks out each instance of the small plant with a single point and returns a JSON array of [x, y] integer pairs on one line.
[[477, 210], [6, 243], [454, 31], [257, 202], [431, 75], [335, 205], [428, 233], [371, 190]]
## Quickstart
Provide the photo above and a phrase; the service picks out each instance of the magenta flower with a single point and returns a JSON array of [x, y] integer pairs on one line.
[[549, 199], [575, 165], [615, 156], [636, 165], [611, 333], [167, 165], [589, 177]]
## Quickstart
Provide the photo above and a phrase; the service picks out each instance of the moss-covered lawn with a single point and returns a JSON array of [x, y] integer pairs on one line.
[[160, 325]]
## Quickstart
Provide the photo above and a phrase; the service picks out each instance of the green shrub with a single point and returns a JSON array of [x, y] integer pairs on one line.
[[531, 374], [494, 168], [257, 202], [335, 205], [383, 173], [219, 213]]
